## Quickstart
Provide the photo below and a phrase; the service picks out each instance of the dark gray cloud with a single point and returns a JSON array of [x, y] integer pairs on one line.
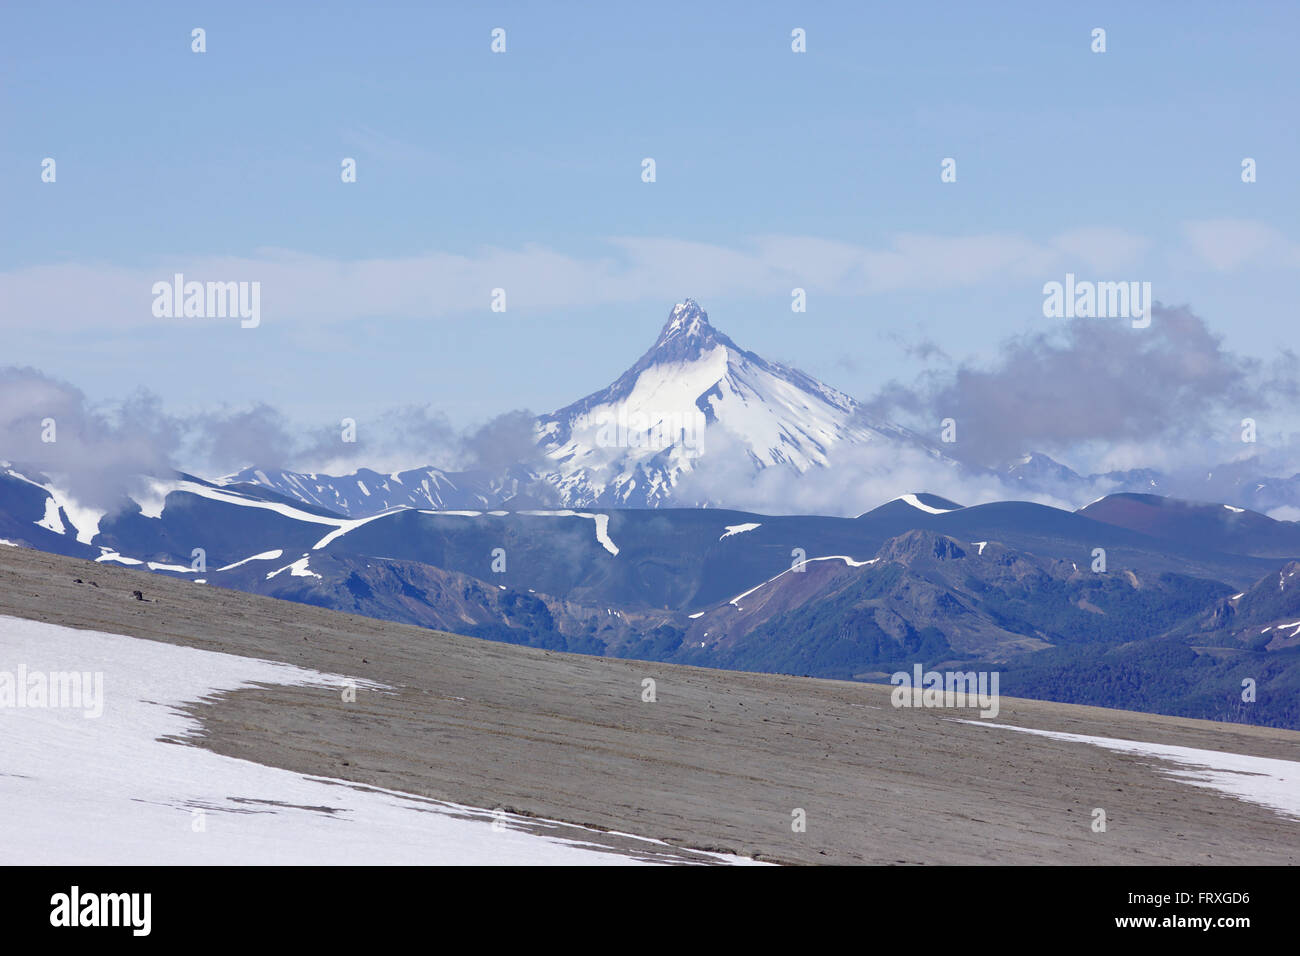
[[1093, 381], [412, 435], [98, 452], [1089, 383], [229, 439], [402, 437], [506, 440]]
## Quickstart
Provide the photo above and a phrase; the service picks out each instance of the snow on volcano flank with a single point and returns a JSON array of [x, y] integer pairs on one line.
[[631, 442], [694, 401]]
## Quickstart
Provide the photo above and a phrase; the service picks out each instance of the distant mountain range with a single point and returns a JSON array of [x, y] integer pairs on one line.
[[1243, 484], [1193, 599], [693, 398], [1138, 599], [698, 404]]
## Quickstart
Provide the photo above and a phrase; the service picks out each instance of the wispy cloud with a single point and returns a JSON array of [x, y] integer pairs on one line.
[[1229, 244], [300, 288]]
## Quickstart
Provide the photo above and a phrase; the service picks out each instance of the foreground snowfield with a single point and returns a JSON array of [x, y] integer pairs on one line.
[[107, 790], [1266, 781]]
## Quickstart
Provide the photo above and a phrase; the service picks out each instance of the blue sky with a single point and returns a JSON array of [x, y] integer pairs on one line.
[[523, 171]]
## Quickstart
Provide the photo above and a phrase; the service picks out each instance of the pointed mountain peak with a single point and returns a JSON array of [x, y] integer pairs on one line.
[[686, 323]]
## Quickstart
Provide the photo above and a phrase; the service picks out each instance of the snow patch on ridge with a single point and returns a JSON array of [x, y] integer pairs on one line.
[[345, 525], [917, 503], [264, 556], [297, 569], [602, 525], [110, 555], [1265, 781], [84, 520], [851, 562], [51, 521]]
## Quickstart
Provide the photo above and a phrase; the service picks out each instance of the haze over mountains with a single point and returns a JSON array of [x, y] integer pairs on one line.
[[699, 421], [616, 539], [695, 401]]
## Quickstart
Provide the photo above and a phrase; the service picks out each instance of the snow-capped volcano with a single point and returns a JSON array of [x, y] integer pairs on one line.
[[695, 400], [695, 393]]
